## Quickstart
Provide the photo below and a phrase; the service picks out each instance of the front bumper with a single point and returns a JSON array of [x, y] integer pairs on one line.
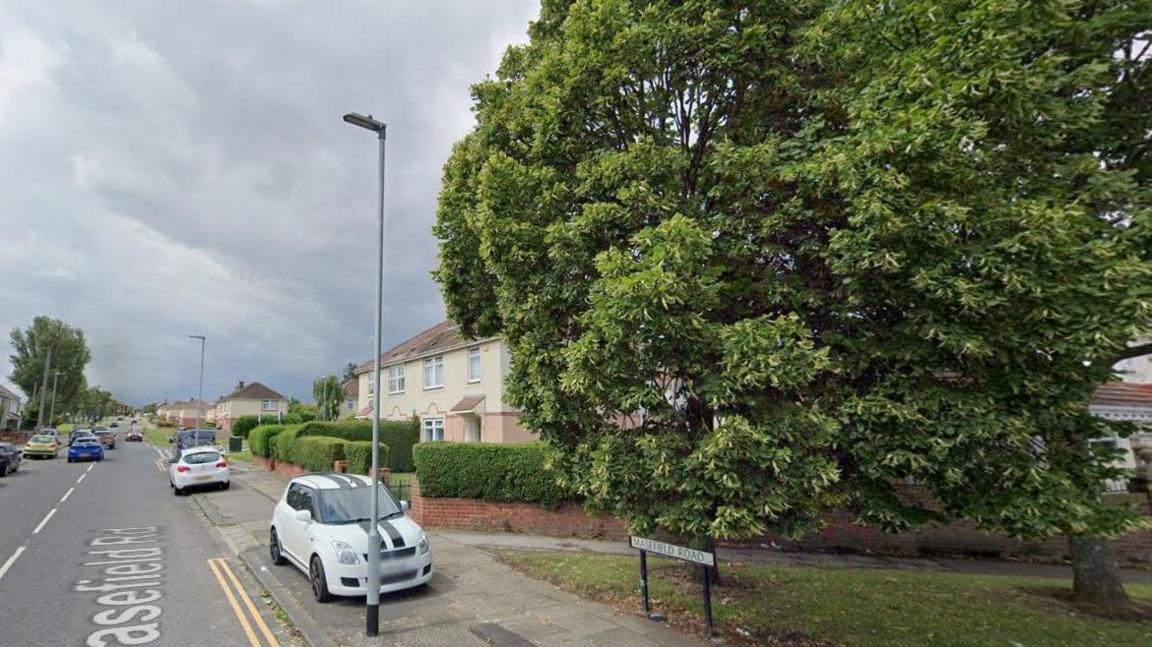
[[395, 575], [86, 457], [41, 452]]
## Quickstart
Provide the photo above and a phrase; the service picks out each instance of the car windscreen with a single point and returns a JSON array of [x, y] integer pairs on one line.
[[86, 442], [349, 505], [197, 458]]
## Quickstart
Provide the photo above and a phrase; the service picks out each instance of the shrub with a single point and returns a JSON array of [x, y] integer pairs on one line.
[[165, 423], [317, 453], [398, 435], [358, 453], [260, 437], [244, 425], [508, 473]]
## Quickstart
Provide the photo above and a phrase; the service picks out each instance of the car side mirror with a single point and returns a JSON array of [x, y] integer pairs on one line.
[[403, 506], [302, 515]]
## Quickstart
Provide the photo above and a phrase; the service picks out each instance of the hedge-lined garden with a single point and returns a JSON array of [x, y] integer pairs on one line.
[[315, 445], [505, 473]]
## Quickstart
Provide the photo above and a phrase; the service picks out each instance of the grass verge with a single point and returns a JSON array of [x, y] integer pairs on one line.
[[766, 604]]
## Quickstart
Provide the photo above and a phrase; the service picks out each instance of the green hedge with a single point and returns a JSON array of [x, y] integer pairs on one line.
[[508, 473], [399, 435], [260, 437], [358, 453], [244, 425], [317, 453]]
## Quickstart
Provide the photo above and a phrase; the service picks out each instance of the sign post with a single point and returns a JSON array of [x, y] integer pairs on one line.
[[705, 559]]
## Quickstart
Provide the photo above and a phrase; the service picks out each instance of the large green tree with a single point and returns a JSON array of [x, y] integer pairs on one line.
[[757, 259], [70, 355], [328, 394]]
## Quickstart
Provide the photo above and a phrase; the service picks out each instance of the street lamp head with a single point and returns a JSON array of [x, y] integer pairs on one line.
[[367, 122], [200, 337]]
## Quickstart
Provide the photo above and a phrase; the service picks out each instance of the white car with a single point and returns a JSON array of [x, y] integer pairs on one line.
[[321, 526], [199, 467]]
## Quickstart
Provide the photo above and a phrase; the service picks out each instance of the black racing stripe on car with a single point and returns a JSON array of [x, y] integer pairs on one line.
[[339, 482], [397, 539]]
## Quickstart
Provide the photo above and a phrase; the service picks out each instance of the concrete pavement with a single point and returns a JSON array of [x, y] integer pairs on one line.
[[104, 554], [471, 600]]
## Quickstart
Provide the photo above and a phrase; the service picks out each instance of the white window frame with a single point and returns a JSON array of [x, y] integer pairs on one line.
[[436, 365], [350, 404], [396, 379], [371, 383], [265, 408], [474, 362], [432, 430]]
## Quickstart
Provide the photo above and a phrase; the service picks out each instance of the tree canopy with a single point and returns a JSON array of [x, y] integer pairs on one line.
[[757, 259], [69, 356]]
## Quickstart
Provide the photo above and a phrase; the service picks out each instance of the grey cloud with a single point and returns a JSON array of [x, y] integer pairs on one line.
[[181, 167]]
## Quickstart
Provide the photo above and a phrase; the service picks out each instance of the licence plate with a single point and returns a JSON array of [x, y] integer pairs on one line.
[[203, 478]]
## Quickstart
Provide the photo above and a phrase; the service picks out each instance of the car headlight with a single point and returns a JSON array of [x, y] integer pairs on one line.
[[424, 547], [344, 553]]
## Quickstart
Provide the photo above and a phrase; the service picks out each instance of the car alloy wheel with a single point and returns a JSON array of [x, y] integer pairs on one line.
[[274, 550], [319, 581]]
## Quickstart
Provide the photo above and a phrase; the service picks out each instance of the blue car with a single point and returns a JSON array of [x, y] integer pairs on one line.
[[85, 449]]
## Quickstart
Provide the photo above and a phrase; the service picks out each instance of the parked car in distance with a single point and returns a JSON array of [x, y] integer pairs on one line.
[[134, 437], [199, 467], [80, 433], [186, 438], [107, 437], [320, 526], [85, 449], [42, 446], [13, 455], [114, 425]]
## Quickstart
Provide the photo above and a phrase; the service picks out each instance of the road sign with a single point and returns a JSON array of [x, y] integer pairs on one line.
[[705, 559], [674, 551]]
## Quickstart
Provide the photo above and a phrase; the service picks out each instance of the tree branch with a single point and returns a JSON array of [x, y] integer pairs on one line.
[[1133, 351]]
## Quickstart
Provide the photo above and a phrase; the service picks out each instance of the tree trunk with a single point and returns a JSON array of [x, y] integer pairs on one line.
[[1095, 577]]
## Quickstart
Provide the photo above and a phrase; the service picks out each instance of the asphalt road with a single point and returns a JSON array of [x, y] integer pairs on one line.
[[104, 554]]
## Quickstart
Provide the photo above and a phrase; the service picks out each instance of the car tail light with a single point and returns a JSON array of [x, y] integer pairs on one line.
[[222, 464], [183, 468]]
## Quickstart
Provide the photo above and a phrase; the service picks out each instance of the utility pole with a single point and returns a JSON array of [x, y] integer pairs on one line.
[[372, 606], [43, 390], [52, 410], [199, 390]]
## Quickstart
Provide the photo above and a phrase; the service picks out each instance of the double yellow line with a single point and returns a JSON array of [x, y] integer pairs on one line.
[[220, 568]]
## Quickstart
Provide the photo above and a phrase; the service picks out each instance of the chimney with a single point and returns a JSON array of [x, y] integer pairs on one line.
[[240, 385]]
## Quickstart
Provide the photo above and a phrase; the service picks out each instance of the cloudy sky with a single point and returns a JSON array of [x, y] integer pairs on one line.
[[174, 168]]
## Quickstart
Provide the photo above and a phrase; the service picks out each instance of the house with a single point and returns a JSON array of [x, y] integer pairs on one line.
[[253, 399], [9, 410], [351, 401], [1126, 401], [455, 386]]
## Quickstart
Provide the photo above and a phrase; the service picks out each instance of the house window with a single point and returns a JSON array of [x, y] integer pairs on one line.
[[473, 365], [371, 382], [396, 379], [433, 429], [351, 404], [269, 405], [434, 372]]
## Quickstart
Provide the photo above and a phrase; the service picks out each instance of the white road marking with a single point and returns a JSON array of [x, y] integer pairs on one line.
[[90, 467], [43, 521], [11, 560], [67, 494], [82, 477]]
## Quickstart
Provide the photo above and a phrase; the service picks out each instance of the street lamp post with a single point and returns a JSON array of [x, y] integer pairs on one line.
[[199, 390], [372, 621], [52, 410]]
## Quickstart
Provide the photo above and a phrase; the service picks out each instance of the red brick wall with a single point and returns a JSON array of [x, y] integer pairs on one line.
[[475, 515], [958, 538]]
